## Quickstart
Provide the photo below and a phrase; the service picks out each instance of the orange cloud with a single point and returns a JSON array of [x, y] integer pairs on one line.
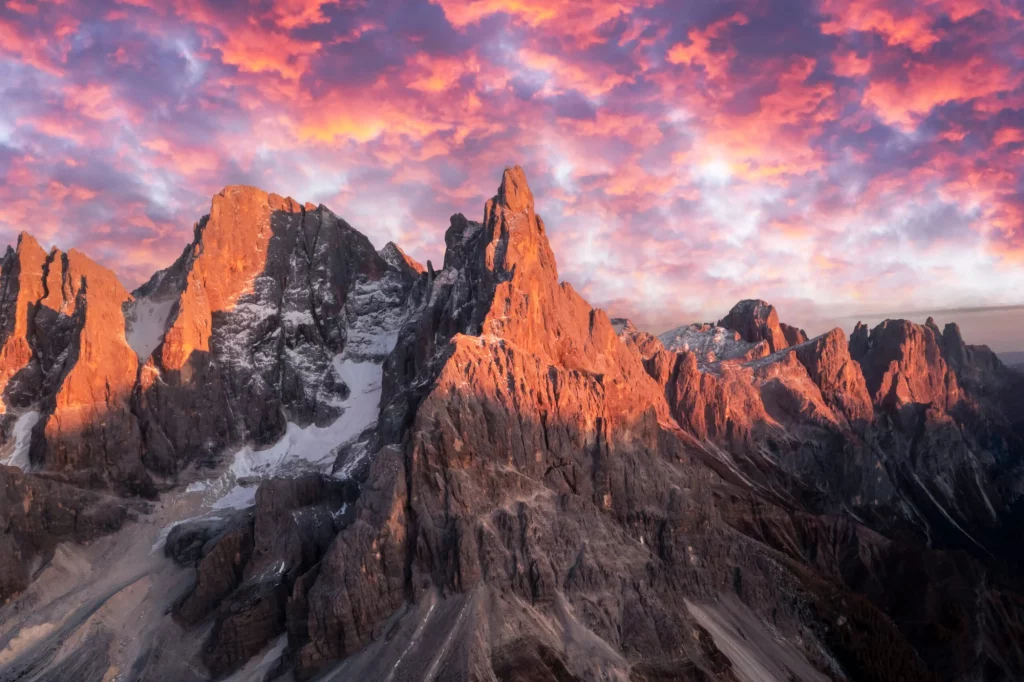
[[36, 51], [849, 65], [930, 85], [1008, 135], [913, 29], [183, 160], [437, 74], [289, 14], [95, 101], [699, 52], [254, 50], [56, 125], [795, 101], [60, 193], [593, 80], [577, 20]]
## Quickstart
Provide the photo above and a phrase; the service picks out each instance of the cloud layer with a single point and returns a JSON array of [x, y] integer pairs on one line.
[[829, 156]]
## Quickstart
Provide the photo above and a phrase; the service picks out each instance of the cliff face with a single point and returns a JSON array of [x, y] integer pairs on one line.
[[390, 472], [66, 368], [257, 308]]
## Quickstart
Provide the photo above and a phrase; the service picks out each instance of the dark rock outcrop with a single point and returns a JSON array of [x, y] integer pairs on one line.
[[794, 335], [38, 513], [756, 321]]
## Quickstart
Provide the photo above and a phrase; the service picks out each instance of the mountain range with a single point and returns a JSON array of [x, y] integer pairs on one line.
[[291, 456]]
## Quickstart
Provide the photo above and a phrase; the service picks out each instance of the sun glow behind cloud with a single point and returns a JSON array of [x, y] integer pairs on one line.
[[827, 156]]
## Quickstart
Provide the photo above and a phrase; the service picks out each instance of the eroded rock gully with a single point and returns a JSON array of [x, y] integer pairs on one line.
[[333, 463]]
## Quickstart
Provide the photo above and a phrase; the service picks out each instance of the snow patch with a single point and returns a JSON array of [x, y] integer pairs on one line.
[[710, 344], [145, 323], [297, 318], [15, 454], [311, 447]]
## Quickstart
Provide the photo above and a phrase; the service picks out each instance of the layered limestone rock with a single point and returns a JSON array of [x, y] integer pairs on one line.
[[89, 425], [794, 335], [730, 395], [22, 288], [831, 367], [251, 329], [860, 342], [533, 498]]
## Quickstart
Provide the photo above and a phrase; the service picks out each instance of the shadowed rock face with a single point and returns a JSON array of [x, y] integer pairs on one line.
[[38, 513], [546, 494]]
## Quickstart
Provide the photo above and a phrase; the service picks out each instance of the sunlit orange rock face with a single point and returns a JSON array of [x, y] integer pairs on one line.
[[224, 264], [265, 298], [546, 493], [67, 353], [904, 364], [23, 289], [234, 339], [532, 396], [542, 457], [91, 424]]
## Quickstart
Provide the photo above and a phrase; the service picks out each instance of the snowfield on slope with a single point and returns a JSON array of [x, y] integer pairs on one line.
[[305, 448], [146, 324], [15, 454]]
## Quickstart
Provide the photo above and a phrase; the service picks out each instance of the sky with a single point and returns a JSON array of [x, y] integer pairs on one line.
[[837, 158]]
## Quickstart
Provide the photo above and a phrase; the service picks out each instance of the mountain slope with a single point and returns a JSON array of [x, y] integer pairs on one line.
[[363, 469]]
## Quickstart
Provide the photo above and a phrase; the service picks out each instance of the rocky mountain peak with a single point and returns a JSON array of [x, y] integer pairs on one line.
[[66, 369], [516, 239], [371, 471], [514, 192], [28, 241], [904, 364], [232, 249], [860, 341], [756, 320], [397, 258], [838, 376], [23, 288]]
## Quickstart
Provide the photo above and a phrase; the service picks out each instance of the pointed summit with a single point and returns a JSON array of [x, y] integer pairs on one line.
[[514, 192], [514, 232], [26, 239], [397, 258]]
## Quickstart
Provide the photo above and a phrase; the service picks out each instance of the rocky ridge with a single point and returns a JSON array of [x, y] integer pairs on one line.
[[521, 487]]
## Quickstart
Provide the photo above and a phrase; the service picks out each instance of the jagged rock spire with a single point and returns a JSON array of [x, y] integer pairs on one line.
[[514, 192]]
